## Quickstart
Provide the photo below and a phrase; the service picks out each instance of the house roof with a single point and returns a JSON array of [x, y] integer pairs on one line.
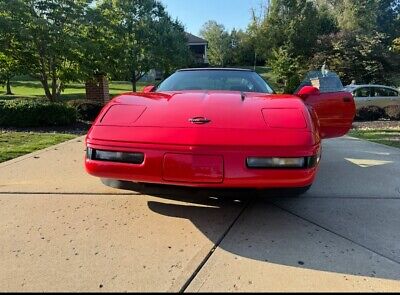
[[192, 39]]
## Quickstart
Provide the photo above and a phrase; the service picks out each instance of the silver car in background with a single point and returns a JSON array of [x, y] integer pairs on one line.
[[374, 95]]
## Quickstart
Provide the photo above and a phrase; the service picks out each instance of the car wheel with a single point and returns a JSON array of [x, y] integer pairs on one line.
[[298, 191], [120, 184], [285, 192]]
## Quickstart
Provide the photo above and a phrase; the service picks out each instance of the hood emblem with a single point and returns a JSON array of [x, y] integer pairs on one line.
[[199, 120]]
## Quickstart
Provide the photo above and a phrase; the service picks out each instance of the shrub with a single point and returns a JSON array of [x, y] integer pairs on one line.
[[370, 113], [393, 112], [86, 110], [35, 113]]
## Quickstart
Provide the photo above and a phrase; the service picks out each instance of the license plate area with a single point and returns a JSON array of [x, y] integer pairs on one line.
[[193, 168]]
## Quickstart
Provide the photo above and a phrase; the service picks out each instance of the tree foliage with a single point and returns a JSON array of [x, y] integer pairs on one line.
[[46, 39], [131, 37], [354, 37], [359, 57], [9, 67], [219, 42], [59, 41]]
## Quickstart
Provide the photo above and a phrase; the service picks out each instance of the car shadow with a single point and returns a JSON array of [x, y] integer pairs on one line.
[[265, 232]]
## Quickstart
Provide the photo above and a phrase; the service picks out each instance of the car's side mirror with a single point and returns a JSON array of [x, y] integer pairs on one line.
[[149, 88], [307, 91]]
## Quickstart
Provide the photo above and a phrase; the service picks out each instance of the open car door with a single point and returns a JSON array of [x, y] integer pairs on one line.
[[334, 107]]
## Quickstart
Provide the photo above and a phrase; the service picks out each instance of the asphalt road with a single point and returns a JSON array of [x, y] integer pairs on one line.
[[62, 230]]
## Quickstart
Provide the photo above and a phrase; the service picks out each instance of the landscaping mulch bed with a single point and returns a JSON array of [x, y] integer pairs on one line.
[[79, 128], [381, 124]]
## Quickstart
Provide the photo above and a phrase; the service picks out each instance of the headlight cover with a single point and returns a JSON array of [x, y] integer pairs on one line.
[[282, 163], [111, 156]]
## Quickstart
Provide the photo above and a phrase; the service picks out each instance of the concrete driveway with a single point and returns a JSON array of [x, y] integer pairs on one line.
[[62, 230]]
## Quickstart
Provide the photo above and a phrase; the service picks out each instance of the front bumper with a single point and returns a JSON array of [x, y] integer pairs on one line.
[[224, 168]]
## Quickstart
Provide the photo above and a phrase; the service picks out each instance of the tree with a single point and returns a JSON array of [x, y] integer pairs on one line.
[[396, 45], [170, 45], [218, 42], [141, 37], [286, 69], [294, 24], [48, 38], [9, 67], [241, 49], [365, 16], [288, 36], [360, 57], [388, 18]]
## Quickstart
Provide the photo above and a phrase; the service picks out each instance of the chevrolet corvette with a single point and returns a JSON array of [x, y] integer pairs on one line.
[[216, 128]]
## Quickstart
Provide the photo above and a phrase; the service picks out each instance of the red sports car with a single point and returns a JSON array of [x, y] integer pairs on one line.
[[216, 128]]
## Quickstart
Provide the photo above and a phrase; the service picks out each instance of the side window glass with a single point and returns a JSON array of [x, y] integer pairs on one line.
[[392, 92], [381, 92], [363, 92]]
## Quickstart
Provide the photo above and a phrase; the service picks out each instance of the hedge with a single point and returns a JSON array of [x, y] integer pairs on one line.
[[393, 112], [370, 113], [373, 113], [86, 110], [35, 113]]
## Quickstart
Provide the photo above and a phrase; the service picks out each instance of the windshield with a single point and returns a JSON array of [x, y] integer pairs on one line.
[[228, 80], [325, 82]]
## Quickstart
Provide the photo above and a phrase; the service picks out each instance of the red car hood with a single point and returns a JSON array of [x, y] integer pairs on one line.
[[164, 118], [224, 110]]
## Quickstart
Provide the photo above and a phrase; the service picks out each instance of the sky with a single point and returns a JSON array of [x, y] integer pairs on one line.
[[194, 13]]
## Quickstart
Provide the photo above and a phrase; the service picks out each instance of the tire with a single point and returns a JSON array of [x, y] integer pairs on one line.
[[298, 191], [141, 187], [120, 184], [286, 192]]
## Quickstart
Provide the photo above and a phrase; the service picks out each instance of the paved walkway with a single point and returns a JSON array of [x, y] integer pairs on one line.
[[63, 230]]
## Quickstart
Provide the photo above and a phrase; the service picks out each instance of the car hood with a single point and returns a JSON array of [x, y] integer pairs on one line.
[[218, 109]]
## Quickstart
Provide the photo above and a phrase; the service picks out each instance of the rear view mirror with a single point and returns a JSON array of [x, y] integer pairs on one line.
[[149, 88], [306, 91]]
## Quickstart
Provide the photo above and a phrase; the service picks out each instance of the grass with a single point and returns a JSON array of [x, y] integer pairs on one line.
[[34, 89], [390, 137], [15, 144]]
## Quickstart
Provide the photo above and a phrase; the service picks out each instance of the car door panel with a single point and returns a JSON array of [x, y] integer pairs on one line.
[[381, 97], [335, 112]]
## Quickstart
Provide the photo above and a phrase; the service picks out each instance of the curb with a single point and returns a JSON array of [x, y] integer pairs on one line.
[[33, 154]]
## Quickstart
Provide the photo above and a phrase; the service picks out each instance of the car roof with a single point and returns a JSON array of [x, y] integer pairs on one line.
[[354, 86], [215, 69]]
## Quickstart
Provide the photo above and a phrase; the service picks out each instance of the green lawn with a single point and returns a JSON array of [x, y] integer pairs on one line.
[[389, 137], [15, 144], [34, 89]]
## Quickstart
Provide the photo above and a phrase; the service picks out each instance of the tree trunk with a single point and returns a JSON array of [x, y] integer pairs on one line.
[[133, 85], [46, 88], [54, 81], [9, 92], [45, 83], [53, 87], [59, 89]]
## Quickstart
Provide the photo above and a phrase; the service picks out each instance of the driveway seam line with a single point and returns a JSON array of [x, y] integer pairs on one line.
[[337, 234], [139, 194], [211, 252]]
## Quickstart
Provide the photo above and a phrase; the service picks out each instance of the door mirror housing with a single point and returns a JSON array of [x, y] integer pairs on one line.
[[307, 91], [149, 88]]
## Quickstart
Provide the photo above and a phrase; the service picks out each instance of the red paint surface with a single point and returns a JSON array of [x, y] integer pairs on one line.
[[193, 168], [214, 155]]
